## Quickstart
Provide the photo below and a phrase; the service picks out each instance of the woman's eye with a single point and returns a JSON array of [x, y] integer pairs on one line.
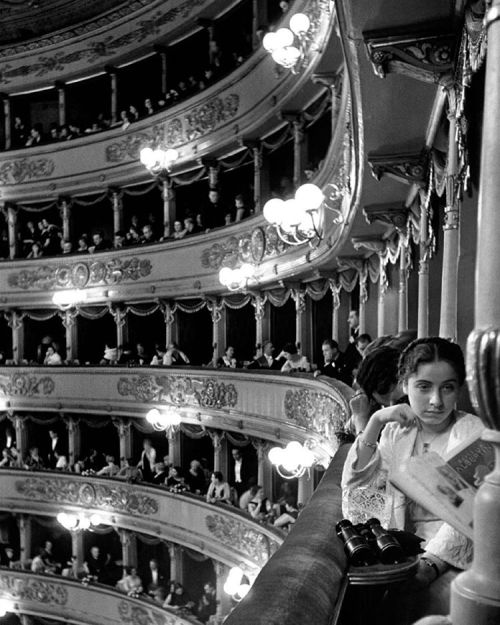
[[449, 388], [423, 387]]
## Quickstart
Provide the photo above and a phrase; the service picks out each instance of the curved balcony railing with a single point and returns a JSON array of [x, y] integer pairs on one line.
[[61, 599], [264, 405], [219, 116], [220, 532]]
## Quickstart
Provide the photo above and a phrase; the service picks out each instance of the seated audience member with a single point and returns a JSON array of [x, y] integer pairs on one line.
[[248, 495], [259, 507], [267, 359], [362, 342], [93, 462], [177, 597], [9, 560], [61, 462], [129, 471], [66, 247], [241, 210], [431, 373], [293, 360], [38, 564], [219, 491], [179, 232], [130, 583], [207, 605], [289, 516], [127, 356], [96, 563], [110, 356], [195, 478], [99, 243], [7, 460], [110, 469], [174, 357], [52, 357], [143, 357], [160, 474], [83, 247], [124, 121], [119, 240], [71, 570], [148, 107], [175, 479], [133, 113], [48, 557], [147, 234], [334, 365], [154, 578], [34, 461], [190, 226], [35, 136], [160, 357], [132, 236], [36, 250], [228, 359]]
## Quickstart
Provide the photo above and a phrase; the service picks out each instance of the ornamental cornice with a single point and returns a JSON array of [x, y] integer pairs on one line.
[[18, 170], [26, 385], [316, 411], [407, 168], [23, 588], [394, 215], [424, 55], [114, 497], [369, 243]]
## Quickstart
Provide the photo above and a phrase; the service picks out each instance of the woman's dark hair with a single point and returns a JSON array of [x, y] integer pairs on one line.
[[432, 349], [179, 471], [378, 371], [291, 348], [218, 476]]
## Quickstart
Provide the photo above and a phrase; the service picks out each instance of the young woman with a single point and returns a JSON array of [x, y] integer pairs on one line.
[[431, 372], [294, 361], [219, 490]]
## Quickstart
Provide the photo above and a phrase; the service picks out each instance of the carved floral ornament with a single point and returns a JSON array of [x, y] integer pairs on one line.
[[23, 588], [26, 385], [89, 495], [19, 170], [317, 412], [135, 614], [81, 274], [179, 391]]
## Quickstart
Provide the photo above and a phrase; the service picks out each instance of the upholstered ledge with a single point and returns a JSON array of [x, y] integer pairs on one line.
[[61, 599], [220, 532], [264, 405]]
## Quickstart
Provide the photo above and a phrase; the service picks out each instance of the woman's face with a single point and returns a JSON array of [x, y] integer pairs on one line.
[[433, 392]]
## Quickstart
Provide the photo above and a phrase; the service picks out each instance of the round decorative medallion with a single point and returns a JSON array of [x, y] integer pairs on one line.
[[80, 275], [258, 244], [87, 495], [97, 271], [63, 276]]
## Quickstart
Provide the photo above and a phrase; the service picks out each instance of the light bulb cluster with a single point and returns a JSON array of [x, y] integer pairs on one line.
[[297, 220], [158, 160], [237, 584], [293, 460], [68, 298], [287, 46], [79, 522], [166, 419], [5, 606], [236, 279]]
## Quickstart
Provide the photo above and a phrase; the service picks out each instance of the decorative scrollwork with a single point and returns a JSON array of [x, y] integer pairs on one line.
[[31, 589], [16, 171], [238, 535], [88, 494], [26, 385], [315, 411], [81, 274], [180, 391], [140, 615]]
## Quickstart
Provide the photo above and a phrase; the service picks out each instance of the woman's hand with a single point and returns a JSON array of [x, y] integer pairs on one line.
[[360, 410], [401, 413]]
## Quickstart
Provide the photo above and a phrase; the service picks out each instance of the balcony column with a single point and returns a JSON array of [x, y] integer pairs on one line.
[[21, 434], [12, 229], [260, 173], [213, 50], [262, 320], [259, 20], [65, 212], [213, 170], [174, 447], [219, 443], [69, 322], [299, 144], [224, 603], [24, 521], [176, 563], [333, 81], [77, 549], [125, 437], [15, 322], [306, 487], [451, 237], [171, 329], [113, 81], [218, 313], [425, 249], [120, 317], [7, 120], [363, 296], [404, 264], [335, 291], [162, 53], [302, 321], [129, 547], [117, 206], [74, 438], [61, 101], [169, 205], [264, 466]]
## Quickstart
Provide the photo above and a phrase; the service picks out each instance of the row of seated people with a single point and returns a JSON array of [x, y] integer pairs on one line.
[[100, 567]]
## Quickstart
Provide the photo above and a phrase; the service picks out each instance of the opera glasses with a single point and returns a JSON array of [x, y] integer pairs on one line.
[[369, 543]]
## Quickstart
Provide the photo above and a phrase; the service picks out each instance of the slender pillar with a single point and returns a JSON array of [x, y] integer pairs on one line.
[[21, 434], [117, 206], [382, 290], [475, 596], [218, 313], [174, 447], [15, 322], [74, 438], [259, 20], [12, 228], [169, 205], [61, 101], [403, 286], [77, 549], [213, 173], [24, 521], [113, 80], [176, 563], [162, 53], [264, 466], [120, 317], [7, 120], [65, 211], [451, 238], [171, 328], [302, 321], [335, 291], [261, 319], [363, 297], [125, 437], [261, 184], [299, 145], [423, 276], [219, 443], [224, 603], [129, 547], [70, 324]]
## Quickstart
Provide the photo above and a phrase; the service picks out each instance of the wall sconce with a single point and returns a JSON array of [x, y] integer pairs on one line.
[[158, 161], [168, 420], [293, 460], [237, 279], [289, 46], [298, 220], [237, 584], [79, 522]]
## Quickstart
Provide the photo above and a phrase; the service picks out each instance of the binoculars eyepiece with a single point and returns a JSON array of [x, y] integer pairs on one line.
[[367, 543]]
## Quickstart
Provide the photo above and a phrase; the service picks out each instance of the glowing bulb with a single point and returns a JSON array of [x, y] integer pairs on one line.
[[68, 298], [84, 523], [171, 155], [299, 23], [275, 455], [5, 606], [225, 276], [243, 590], [237, 277], [293, 215], [153, 416], [172, 418], [96, 519], [273, 211], [270, 42], [246, 270], [147, 157], [284, 37], [309, 196]]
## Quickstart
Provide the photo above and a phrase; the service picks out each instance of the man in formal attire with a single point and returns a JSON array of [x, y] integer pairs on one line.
[[96, 563], [352, 355], [160, 474], [56, 447], [153, 578], [241, 472], [334, 365], [267, 360], [215, 213]]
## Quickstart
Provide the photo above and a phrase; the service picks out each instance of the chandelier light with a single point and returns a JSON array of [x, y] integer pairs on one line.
[[79, 522], [158, 161], [167, 420], [237, 584], [289, 46], [5, 606], [293, 460], [298, 220], [237, 279], [69, 298]]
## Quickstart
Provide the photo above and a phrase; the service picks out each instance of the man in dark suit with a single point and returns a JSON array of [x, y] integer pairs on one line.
[[352, 355], [240, 471], [160, 473], [267, 360], [56, 447], [153, 579], [334, 365]]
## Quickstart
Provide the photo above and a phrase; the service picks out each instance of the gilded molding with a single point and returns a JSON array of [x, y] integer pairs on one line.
[[408, 168], [238, 535], [25, 385], [87, 494], [179, 391], [81, 274], [318, 412], [198, 122], [134, 614], [395, 215], [25, 588], [20, 170]]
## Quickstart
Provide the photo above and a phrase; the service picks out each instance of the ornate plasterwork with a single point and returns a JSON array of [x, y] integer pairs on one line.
[[18, 170], [179, 391], [395, 215], [197, 122], [409, 168], [135, 614], [81, 274], [318, 412], [20, 587], [87, 494], [25, 385], [422, 56], [239, 536]]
